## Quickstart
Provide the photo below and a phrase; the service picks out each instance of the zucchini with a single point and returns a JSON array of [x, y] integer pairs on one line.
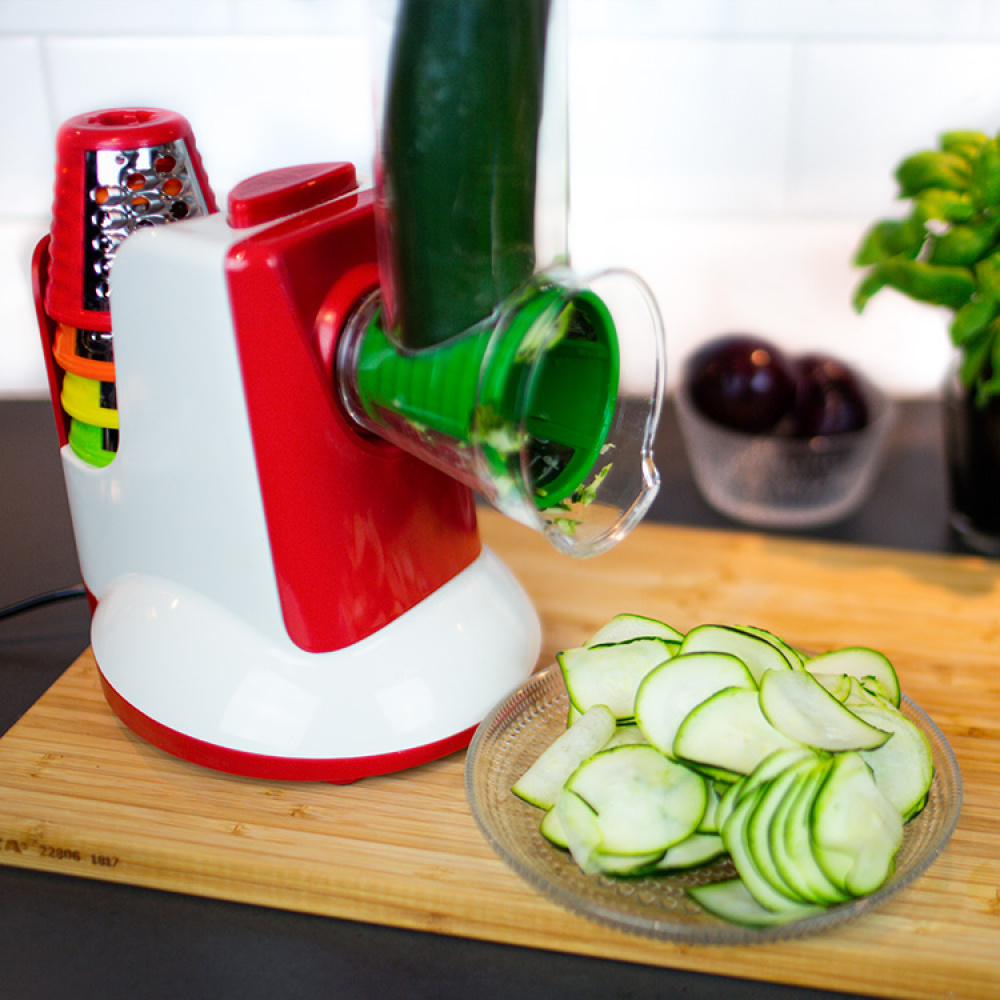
[[643, 801], [856, 830], [730, 900], [623, 627], [543, 781], [697, 850], [757, 653], [791, 840], [729, 732], [790, 653], [802, 772], [862, 663], [610, 674], [459, 149], [903, 766], [796, 704], [736, 835], [669, 692]]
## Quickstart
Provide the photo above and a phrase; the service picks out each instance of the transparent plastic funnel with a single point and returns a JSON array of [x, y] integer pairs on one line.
[[549, 411]]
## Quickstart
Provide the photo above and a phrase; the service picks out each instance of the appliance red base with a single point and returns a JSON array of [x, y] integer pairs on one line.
[[338, 771]]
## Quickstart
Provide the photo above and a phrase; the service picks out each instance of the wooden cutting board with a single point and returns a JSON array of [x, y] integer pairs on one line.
[[80, 794]]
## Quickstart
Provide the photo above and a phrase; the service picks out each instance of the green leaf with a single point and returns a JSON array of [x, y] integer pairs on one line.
[[985, 182], [951, 287], [890, 238], [872, 283], [931, 169], [972, 319], [946, 206], [988, 275], [975, 353], [966, 244], [964, 143]]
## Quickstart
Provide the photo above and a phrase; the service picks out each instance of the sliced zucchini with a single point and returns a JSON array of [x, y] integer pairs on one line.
[[610, 674], [729, 731], [856, 830], [903, 767], [576, 823], [791, 840], [757, 653], [643, 801], [732, 901], [737, 840], [839, 685], [790, 653], [860, 662], [672, 690], [625, 735], [796, 704], [543, 781], [693, 852], [624, 627], [552, 829], [609, 863], [709, 821]]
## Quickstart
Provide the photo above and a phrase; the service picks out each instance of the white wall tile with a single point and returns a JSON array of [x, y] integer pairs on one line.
[[729, 150], [858, 108], [931, 19], [22, 371], [254, 104], [25, 171], [114, 17], [693, 127], [284, 17], [790, 280]]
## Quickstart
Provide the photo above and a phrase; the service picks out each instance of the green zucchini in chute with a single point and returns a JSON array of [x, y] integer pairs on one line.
[[459, 156]]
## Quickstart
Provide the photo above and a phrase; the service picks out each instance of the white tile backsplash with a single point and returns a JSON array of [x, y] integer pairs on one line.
[[695, 128], [25, 158], [933, 19], [731, 151], [858, 108], [253, 103]]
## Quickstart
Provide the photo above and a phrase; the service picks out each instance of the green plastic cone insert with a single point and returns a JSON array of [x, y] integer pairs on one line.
[[533, 395]]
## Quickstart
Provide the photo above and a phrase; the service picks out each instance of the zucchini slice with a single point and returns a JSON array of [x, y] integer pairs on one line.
[[623, 627], [693, 852], [903, 766], [862, 663], [671, 691], [790, 653], [856, 830], [543, 781], [756, 652], [643, 801], [796, 704], [732, 901], [791, 840], [610, 674], [729, 731]]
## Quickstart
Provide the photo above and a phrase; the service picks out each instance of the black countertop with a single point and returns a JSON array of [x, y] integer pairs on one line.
[[61, 936]]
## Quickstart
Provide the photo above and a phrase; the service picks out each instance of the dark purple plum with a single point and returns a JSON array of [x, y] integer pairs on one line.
[[742, 382], [829, 398]]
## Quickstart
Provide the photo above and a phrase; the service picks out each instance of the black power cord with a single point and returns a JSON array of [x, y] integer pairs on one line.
[[63, 594]]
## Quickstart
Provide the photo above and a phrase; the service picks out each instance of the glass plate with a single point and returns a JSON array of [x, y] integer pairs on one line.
[[527, 721]]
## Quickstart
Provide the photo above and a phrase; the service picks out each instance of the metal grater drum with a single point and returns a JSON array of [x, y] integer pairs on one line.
[[126, 190], [116, 171]]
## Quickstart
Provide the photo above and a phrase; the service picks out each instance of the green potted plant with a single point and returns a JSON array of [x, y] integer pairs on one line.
[[945, 251]]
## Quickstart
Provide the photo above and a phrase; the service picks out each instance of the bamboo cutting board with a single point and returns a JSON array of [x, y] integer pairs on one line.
[[80, 794]]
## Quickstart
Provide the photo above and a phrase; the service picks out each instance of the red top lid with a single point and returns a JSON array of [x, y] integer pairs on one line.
[[122, 128], [277, 193]]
